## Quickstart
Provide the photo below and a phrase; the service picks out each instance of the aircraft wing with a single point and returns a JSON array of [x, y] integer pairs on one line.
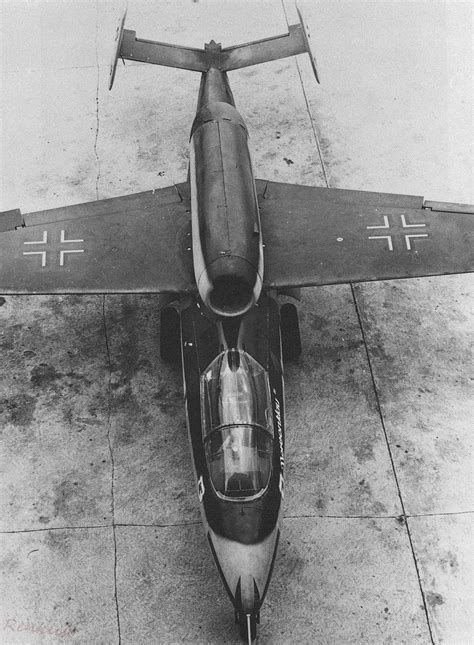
[[317, 236], [138, 243], [313, 236]]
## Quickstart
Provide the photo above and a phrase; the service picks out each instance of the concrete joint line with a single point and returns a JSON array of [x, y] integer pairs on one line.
[[308, 109], [404, 517], [314, 128], [112, 462], [97, 124], [198, 522], [171, 525], [57, 528]]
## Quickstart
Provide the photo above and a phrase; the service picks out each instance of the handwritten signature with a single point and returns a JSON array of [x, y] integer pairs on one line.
[[45, 630]]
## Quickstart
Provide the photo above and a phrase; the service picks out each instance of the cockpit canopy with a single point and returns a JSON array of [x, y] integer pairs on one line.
[[237, 425]]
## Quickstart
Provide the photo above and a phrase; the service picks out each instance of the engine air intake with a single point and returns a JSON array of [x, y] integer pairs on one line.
[[231, 296]]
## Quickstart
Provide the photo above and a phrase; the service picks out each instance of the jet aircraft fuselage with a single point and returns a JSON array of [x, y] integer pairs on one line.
[[233, 381], [226, 232], [232, 359]]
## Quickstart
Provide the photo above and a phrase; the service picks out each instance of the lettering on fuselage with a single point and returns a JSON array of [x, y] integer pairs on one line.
[[280, 431], [201, 488]]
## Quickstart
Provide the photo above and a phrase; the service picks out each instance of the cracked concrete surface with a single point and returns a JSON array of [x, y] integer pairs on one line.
[[109, 412], [96, 139], [101, 539]]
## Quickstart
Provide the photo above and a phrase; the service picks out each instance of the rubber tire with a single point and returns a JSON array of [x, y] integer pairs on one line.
[[170, 335], [290, 332]]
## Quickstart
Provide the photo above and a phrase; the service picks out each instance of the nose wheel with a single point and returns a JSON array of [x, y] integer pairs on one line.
[[247, 626]]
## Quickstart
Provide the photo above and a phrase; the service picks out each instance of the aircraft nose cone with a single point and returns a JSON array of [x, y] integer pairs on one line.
[[245, 569]]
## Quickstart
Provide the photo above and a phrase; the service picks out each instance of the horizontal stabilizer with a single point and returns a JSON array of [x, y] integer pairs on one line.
[[296, 41], [149, 51], [129, 47], [318, 236]]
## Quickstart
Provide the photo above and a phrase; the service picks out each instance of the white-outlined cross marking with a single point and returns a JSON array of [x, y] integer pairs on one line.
[[62, 252], [42, 253], [63, 238], [383, 237], [408, 237], [405, 225], [385, 224], [43, 241]]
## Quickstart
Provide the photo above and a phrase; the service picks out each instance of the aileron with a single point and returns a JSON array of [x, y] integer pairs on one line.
[[449, 207], [10, 220]]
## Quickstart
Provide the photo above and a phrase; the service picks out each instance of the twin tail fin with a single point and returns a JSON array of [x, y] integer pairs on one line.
[[129, 47]]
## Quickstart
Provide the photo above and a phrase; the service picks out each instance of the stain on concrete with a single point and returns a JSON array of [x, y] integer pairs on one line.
[[269, 155], [56, 305], [2, 301], [291, 564], [434, 599], [133, 421], [89, 421], [129, 359], [71, 498], [364, 450], [362, 500], [9, 563], [19, 410], [451, 450], [123, 398], [9, 337], [318, 463], [317, 323], [170, 399], [44, 374], [59, 542], [450, 562], [334, 349]]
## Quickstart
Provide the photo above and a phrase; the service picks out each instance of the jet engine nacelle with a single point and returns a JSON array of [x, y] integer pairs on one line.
[[227, 243]]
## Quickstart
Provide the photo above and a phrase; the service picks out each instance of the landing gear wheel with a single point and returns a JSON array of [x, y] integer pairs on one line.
[[247, 627], [290, 332], [170, 335]]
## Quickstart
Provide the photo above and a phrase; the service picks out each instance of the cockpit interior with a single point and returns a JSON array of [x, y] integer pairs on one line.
[[237, 425]]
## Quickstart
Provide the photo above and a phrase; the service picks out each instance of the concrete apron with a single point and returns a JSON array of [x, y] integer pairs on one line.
[[101, 535]]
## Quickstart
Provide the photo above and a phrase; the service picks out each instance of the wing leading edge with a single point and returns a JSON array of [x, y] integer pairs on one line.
[[139, 243], [317, 236]]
